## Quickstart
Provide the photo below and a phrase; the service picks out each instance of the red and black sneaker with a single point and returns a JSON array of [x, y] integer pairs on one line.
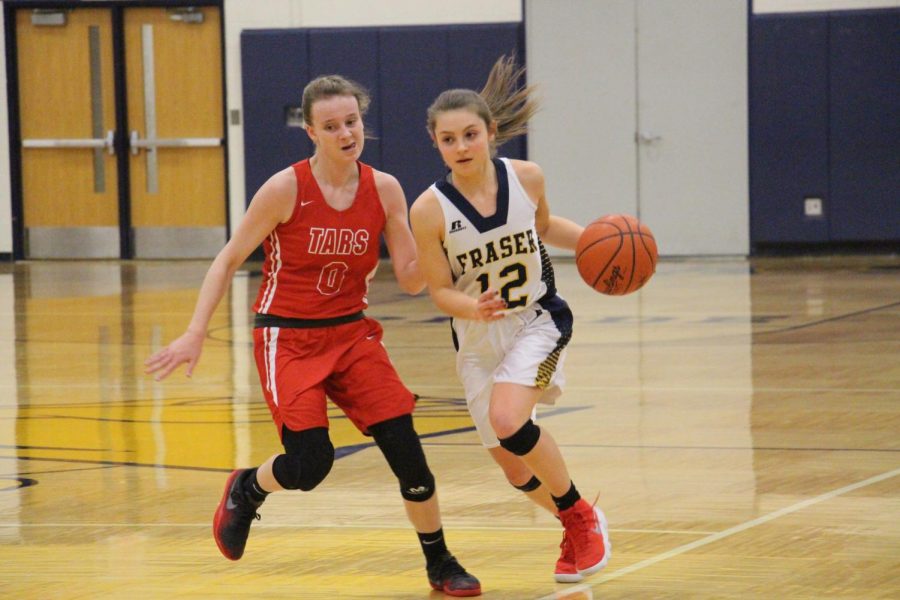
[[235, 513], [448, 576]]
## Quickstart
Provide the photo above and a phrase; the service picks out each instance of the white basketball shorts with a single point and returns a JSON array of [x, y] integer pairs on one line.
[[526, 347]]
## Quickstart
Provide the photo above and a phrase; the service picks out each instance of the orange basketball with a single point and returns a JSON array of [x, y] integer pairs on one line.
[[616, 255]]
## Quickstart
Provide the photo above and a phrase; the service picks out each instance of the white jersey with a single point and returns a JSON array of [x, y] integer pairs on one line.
[[501, 251]]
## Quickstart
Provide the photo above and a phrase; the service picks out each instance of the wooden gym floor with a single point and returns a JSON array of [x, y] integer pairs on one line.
[[740, 420]]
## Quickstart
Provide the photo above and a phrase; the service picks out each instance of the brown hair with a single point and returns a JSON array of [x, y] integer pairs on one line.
[[327, 86], [502, 100]]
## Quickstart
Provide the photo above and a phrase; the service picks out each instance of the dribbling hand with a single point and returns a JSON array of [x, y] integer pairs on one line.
[[489, 306], [185, 349]]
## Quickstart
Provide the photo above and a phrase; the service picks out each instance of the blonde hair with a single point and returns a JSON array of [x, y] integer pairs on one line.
[[327, 86], [502, 101]]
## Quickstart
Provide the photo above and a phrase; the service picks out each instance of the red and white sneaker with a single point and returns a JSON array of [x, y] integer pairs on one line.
[[566, 572], [587, 529]]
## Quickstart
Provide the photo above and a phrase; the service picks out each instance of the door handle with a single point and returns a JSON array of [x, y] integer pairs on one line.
[[647, 138], [97, 144], [136, 142], [104, 142], [150, 144]]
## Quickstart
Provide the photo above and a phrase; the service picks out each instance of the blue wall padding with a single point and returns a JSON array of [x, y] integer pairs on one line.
[[271, 64], [825, 122], [414, 71], [788, 127], [404, 68], [865, 126]]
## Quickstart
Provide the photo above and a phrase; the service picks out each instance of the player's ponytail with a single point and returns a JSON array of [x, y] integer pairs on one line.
[[511, 104], [502, 101]]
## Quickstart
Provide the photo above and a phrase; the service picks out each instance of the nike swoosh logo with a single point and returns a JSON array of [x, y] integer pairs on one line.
[[307, 202], [432, 542], [230, 505]]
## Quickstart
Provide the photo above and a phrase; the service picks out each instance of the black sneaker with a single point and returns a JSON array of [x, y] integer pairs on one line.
[[448, 576], [236, 511]]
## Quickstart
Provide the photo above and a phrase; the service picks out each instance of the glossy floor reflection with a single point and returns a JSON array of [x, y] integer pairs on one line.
[[740, 420]]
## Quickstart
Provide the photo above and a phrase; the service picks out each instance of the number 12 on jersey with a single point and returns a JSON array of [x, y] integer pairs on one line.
[[513, 276]]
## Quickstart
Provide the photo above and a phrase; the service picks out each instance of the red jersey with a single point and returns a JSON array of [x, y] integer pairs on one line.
[[318, 264]]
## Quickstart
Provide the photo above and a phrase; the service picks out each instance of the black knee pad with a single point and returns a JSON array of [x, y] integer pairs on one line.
[[400, 444], [524, 440], [530, 485], [308, 458]]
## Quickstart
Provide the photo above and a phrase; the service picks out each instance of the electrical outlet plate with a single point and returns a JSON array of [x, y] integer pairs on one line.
[[812, 207]]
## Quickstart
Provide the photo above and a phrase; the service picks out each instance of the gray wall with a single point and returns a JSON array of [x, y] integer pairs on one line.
[[674, 73]]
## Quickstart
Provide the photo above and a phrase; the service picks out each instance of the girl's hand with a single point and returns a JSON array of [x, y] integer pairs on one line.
[[185, 349], [489, 306]]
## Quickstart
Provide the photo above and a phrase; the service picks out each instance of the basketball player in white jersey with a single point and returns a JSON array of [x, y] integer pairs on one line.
[[479, 233]]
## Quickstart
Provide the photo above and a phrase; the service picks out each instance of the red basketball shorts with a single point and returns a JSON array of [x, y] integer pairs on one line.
[[299, 367]]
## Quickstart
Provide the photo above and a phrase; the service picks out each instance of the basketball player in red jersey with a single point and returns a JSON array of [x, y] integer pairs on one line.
[[320, 222]]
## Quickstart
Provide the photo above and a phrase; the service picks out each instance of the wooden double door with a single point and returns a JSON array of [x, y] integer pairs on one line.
[[122, 132]]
